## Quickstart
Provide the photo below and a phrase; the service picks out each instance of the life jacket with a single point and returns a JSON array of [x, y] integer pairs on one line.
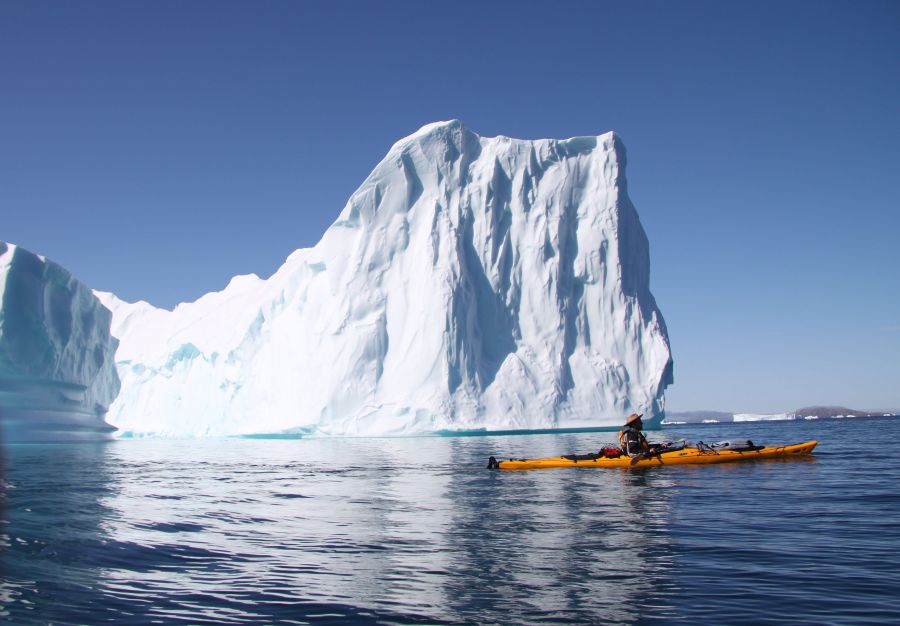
[[633, 441]]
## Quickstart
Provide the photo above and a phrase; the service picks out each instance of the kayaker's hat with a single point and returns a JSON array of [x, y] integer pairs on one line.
[[633, 418]]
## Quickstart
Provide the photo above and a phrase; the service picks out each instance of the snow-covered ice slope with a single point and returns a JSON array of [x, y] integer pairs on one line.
[[57, 371], [469, 283]]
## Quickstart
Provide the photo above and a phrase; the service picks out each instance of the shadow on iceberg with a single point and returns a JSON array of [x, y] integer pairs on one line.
[[57, 372], [37, 426]]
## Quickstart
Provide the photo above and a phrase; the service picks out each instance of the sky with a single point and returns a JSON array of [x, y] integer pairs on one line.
[[155, 149]]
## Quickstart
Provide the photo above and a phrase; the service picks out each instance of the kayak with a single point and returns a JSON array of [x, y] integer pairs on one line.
[[684, 456]]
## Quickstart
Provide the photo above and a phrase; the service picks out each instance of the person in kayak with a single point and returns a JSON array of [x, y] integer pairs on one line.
[[632, 440]]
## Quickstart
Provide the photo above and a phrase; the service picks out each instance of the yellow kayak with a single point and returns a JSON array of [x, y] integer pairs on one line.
[[683, 456]]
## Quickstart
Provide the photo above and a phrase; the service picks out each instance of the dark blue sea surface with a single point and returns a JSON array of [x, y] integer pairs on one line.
[[417, 531]]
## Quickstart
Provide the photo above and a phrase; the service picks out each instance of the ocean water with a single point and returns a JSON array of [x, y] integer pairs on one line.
[[417, 531]]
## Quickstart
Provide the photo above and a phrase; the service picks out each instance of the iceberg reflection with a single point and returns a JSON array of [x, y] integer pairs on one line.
[[409, 530], [55, 544]]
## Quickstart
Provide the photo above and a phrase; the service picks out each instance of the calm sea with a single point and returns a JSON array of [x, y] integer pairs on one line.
[[417, 531]]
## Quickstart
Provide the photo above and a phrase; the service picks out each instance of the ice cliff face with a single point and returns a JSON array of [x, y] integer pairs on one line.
[[470, 282], [57, 370]]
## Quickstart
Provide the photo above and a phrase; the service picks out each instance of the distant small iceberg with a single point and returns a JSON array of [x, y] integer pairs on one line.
[[769, 417]]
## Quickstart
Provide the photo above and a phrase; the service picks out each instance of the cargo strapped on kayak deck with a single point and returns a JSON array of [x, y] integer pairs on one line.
[[740, 445], [582, 457], [606, 452]]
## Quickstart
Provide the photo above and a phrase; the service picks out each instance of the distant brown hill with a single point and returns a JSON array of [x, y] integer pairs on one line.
[[830, 411], [699, 416]]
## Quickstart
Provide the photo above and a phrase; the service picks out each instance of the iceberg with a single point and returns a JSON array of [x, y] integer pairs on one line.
[[766, 417], [470, 283], [57, 357]]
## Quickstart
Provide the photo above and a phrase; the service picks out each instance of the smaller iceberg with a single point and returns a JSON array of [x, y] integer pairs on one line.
[[57, 365], [767, 417]]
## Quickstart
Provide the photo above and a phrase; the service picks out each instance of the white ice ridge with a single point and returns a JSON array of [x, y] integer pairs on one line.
[[469, 283], [765, 417], [57, 370]]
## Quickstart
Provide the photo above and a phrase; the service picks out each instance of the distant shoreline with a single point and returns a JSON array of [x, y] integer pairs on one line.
[[806, 413]]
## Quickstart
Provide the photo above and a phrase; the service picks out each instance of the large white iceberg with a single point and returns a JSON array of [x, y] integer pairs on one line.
[[469, 283], [57, 372]]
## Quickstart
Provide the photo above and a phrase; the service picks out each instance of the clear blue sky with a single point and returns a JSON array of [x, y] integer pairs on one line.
[[158, 148]]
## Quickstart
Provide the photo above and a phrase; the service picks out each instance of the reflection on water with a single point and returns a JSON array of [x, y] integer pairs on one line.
[[570, 545], [413, 531], [53, 504], [244, 530]]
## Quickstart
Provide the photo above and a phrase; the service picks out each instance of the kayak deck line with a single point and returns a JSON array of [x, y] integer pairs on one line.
[[683, 456]]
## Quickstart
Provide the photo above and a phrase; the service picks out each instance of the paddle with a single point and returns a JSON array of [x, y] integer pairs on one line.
[[671, 447], [647, 455]]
